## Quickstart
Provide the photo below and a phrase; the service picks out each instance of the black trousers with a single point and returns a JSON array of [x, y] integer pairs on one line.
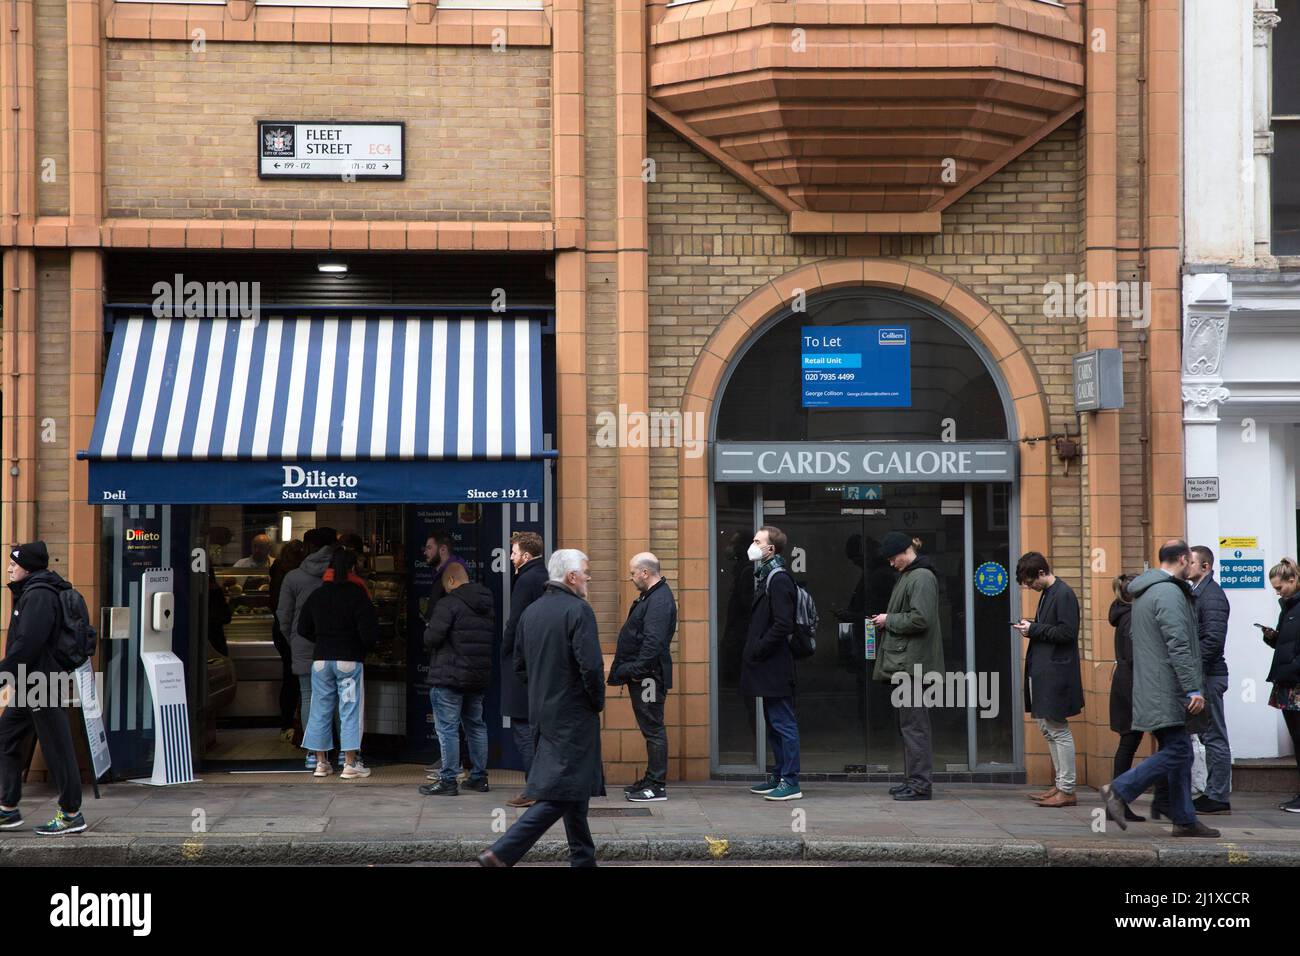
[[288, 681], [650, 721], [1292, 720], [50, 724], [528, 829], [1124, 753]]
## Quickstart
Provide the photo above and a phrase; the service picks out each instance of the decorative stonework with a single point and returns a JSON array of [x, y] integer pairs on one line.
[[1201, 402], [1263, 142], [1265, 22], [1207, 305], [1204, 339]]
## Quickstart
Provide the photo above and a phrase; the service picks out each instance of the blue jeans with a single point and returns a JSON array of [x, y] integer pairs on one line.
[[450, 707], [1172, 763], [783, 735], [304, 694], [1218, 754], [523, 733], [334, 684]]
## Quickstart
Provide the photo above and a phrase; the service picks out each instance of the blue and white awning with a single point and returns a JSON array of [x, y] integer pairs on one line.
[[297, 392]]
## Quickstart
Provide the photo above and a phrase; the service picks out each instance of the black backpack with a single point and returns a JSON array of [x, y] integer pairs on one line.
[[74, 641], [803, 641]]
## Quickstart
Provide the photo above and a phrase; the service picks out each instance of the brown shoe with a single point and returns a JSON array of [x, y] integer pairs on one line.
[[520, 801], [488, 858], [1045, 795], [1060, 799]]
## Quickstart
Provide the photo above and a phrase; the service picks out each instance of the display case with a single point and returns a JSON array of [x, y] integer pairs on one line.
[[388, 658], [248, 635]]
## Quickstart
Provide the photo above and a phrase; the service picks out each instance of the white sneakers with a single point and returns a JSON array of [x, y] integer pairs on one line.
[[323, 768], [354, 770]]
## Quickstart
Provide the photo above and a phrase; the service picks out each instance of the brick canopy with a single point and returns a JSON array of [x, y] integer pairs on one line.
[[868, 107]]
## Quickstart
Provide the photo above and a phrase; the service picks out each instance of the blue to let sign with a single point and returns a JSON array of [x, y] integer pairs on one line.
[[862, 366]]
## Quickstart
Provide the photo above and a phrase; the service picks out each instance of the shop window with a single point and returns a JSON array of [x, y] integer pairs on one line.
[[952, 395], [1286, 130]]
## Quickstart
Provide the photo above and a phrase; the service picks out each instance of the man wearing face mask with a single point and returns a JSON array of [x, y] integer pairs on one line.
[[767, 666]]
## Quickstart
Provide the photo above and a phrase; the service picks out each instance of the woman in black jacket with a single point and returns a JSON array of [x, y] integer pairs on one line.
[[340, 621], [1121, 684], [1284, 673]]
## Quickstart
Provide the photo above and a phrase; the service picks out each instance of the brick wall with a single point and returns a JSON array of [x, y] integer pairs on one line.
[[180, 137], [52, 107], [53, 341]]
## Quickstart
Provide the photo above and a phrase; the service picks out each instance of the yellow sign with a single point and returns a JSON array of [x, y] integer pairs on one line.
[[1239, 542]]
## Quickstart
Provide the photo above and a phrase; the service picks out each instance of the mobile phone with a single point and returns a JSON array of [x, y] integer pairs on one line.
[[1263, 627]]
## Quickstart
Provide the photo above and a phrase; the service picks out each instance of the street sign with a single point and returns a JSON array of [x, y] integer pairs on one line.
[[1241, 568], [1201, 489], [345, 150], [1239, 542]]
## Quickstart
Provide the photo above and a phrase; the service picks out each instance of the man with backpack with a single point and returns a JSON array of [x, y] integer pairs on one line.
[[767, 662], [910, 637], [38, 621]]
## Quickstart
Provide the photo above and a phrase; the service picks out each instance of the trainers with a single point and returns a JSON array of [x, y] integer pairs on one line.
[[354, 770], [479, 785], [63, 823], [443, 788], [650, 793], [10, 819], [323, 768], [1291, 806], [767, 786], [311, 761], [785, 791], [638, 784]]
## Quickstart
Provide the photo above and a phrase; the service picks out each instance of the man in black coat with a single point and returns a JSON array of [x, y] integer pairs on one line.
[[1212, 611], [767, 666], [459, 637], [36, 621], [557, 655], [644, 663], [530, 581], [1053, 684]]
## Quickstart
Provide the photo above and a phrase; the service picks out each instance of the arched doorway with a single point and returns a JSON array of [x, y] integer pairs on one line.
[[866, 411]]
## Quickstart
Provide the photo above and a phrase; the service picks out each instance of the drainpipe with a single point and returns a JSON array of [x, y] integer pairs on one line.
[[1143, 271]]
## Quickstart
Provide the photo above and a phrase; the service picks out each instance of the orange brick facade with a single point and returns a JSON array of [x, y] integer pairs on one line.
[[128, 136]]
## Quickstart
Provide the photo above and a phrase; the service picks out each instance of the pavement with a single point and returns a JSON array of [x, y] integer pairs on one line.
[[335, 822]]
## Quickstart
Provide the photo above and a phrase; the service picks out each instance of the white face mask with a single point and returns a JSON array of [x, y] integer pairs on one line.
[[755, 553]]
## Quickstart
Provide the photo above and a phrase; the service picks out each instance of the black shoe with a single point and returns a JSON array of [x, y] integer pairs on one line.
[[650, 793], [478, 786], [1291, 806], [488, 858], [639, 784], [897, 788], [1160, 812], [443, 788], [1204, 804], [1197, 829], [1116, 809], [907, 793], [1129, 815]]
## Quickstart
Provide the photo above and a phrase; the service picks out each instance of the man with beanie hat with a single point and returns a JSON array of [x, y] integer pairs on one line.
[[910, 639], [36, 621]]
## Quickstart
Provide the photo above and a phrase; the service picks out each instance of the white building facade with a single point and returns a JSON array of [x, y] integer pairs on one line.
[[1241, 321]]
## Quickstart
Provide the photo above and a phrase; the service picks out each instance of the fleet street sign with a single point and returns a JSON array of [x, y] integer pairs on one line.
[[296, 149], [887, 461]]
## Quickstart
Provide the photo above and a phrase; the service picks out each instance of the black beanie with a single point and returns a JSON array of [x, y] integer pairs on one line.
[[31, 557], [894, 543]]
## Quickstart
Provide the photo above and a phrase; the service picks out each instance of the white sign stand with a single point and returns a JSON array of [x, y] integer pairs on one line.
[[173, 762]]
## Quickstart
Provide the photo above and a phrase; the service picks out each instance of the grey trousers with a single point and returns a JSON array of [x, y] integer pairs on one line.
[[918, 748], [1060, 744], [1218, 754]]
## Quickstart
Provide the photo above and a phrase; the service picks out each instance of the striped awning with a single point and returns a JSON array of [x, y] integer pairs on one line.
[[321, 388], [228, 397]]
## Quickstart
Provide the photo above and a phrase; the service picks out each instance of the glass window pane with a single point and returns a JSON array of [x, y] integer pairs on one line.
[[1286, 189], [1286, 60], [994, 743], [735, 589]]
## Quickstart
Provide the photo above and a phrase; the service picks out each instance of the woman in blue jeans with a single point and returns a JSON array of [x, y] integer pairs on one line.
[[340, 621]]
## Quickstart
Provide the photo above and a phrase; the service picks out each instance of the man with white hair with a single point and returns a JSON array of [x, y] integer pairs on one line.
[[557, 656], [642, 661]]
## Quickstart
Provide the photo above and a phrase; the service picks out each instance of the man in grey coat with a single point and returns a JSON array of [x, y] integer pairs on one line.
[[1167, 690], [297, 586], [557, 654]]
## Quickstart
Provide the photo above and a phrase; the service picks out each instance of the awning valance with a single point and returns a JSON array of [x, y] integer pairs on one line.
[[283, 403]]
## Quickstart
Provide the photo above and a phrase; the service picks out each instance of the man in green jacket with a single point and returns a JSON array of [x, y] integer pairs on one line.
[[910, 646], [1167, 690]]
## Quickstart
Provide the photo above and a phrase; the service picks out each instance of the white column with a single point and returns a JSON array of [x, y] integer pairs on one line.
[[1265, 19], [1207, 299]]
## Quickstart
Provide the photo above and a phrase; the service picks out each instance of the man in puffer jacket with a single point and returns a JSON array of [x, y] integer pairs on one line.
[[1212, 611], [459, 637], [297, 586]]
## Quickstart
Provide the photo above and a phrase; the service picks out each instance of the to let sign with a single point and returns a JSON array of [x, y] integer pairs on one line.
[[292, 149]]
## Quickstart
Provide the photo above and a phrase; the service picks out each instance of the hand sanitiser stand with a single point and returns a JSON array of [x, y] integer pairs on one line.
[[173, 762]]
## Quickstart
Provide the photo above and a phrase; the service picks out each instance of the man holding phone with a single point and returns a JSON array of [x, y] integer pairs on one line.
[[1167, 690], [1212, 610], [1053, 685]]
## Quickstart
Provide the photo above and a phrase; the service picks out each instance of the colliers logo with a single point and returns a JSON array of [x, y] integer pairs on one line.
[[891, 337], [317, 484]]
